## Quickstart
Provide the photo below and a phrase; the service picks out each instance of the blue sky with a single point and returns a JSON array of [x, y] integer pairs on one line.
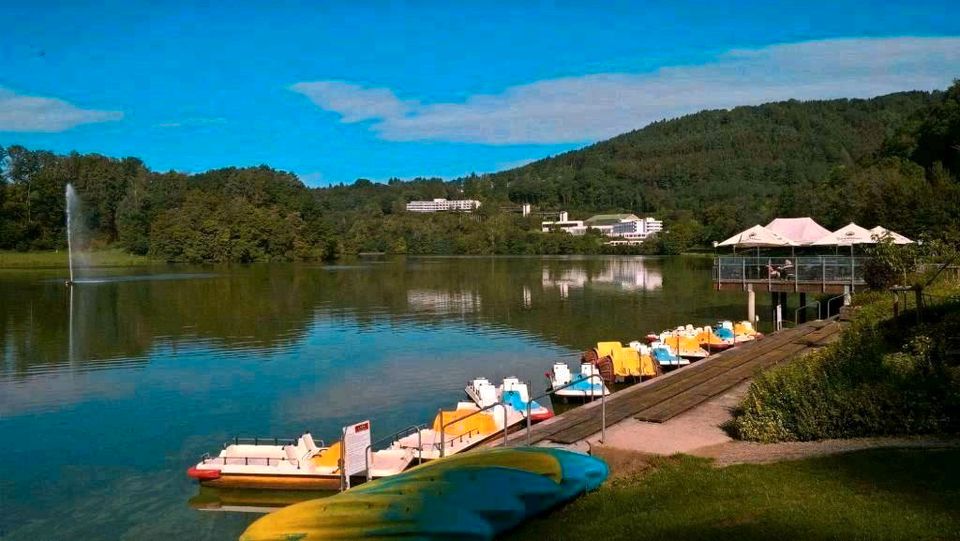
[[334, 91]]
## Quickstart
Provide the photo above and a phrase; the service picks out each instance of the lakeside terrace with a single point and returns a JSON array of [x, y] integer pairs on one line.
[[789, 274]]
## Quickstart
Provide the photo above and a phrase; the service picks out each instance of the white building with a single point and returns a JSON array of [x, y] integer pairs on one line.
[[638, 229], [565, 224], [443, 205], [628, 227]]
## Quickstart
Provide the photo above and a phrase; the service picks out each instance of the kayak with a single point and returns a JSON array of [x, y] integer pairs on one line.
[[473, 496]]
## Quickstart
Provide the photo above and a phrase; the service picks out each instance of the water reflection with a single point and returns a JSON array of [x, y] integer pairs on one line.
[[121, 318], [623, 274], [140, 376]]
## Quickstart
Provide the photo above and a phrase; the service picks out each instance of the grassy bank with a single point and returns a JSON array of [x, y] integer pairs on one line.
[[880, 494], [46, 260], [886, 376]]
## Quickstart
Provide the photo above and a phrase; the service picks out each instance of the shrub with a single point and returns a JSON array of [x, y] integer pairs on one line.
[[884, 376]]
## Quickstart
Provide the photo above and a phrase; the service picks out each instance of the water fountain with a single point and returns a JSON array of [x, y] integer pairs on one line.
[[72, 207]]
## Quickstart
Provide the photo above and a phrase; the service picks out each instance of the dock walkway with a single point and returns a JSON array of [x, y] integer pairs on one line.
[[665, 397]]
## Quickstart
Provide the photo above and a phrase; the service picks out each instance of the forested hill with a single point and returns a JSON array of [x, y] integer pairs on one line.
[[892, 160], [728, 168]]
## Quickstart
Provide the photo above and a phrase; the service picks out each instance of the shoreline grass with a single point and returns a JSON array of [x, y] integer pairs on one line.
[[874, 494], [111, 257]]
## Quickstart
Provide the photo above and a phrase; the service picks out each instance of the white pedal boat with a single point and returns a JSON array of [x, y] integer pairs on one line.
[[585, 386], [512, 392], [461, 429], [272, 463], [660, 352]]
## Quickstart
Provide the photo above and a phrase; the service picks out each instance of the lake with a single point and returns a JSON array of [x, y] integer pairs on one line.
[[107, 397]]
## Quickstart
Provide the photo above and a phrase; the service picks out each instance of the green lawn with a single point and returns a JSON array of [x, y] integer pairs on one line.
[[881, 494], [100, 258]]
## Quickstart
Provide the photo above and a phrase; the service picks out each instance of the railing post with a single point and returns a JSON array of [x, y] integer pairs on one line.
[[603, 414], [366, 461], [769, 275], [529, 422], [443, 442], [796, 277], [343, 463], [852, 271], [823, 274], [505, 424], [419, 447], [743, 272]]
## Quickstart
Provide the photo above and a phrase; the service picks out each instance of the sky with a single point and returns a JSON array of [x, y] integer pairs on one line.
[[335, 91]]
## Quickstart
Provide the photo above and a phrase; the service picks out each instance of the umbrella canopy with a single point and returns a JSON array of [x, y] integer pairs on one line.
[[879, 232], [847, 235], [757, 237], [802, 231]]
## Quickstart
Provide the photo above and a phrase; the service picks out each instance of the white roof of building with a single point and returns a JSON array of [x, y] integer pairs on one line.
[[847, 235], [879, 232], [802, 231], [757, 237]]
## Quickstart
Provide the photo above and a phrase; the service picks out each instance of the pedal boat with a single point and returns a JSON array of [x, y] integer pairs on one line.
[[739, 332], [684, 343], [463, 428], [713, 341], [512, 392], [662, 353], [585, 387], [272, 463]]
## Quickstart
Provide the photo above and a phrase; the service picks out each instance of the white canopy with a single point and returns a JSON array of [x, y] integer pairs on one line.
[[879, 232], [802, 231], [847, 235], [757, 237]]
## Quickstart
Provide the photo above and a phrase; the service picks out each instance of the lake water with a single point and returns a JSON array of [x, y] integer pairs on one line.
[[107, 398]]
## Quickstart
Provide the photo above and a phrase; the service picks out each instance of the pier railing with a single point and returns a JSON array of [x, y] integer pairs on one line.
[[394, 437], [603, 404], [443, 426], [824, 270]]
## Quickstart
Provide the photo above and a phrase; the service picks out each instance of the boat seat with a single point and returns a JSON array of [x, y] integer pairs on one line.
[[308, 441], [328, 458]]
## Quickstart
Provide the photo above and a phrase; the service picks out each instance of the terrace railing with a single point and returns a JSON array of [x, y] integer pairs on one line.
[[777, 271]]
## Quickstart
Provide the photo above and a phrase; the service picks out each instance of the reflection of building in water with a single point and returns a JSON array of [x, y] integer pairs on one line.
[[630, 274], [443, 302], [527, 297]]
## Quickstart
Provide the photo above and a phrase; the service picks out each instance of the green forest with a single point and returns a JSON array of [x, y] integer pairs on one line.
[[892, 160]]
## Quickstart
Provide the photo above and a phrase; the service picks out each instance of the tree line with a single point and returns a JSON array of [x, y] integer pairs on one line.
[[892, 160]]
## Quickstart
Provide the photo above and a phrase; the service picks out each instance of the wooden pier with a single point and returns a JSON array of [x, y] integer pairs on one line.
[[667, 396]]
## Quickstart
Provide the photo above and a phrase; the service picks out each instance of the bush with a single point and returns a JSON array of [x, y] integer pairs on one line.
[[884, 377]]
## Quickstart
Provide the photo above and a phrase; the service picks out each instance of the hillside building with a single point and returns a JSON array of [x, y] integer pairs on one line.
[[565, 224], [444, 205], [628, 227]]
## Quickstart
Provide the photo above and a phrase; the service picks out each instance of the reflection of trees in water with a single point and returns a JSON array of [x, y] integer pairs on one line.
[[275, 305]]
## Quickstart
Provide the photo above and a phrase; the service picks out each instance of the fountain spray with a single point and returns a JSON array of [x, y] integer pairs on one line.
[[71, 195]]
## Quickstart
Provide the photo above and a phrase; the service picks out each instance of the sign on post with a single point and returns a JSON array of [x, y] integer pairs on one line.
[[356, 441]]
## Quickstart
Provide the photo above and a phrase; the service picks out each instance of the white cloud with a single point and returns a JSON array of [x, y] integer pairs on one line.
[[19, 113], [592, 107], [354, 102]]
